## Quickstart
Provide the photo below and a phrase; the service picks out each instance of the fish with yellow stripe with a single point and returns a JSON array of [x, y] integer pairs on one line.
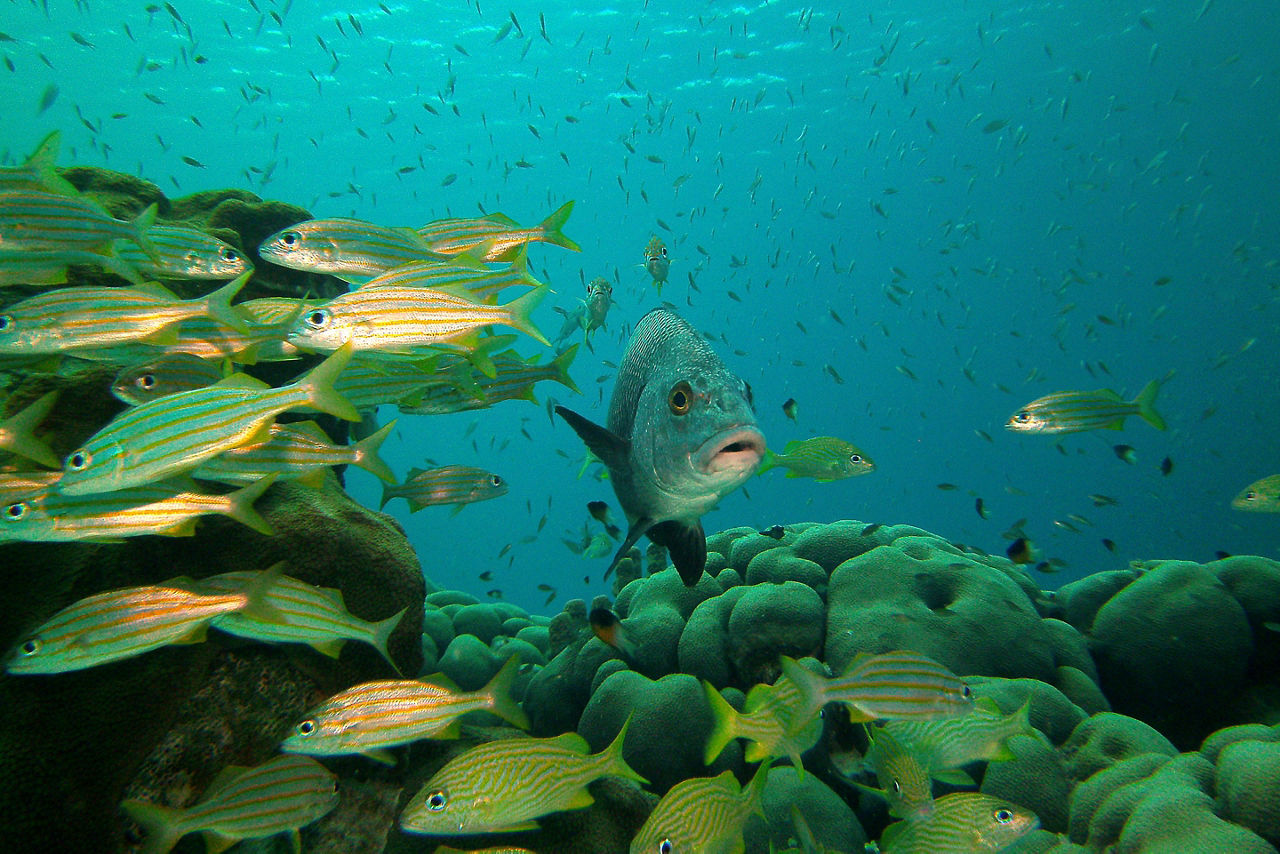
[[49, 266], [946, 745], [502, 786], [351, 249], [35, 219], [495, 237], [166, 374], [961, 823], [823, 458], [183, 253], [514, 379], [175, 434], [902, 773], [38, 172], [702, 814], [460, 485], [475, 281], [767, 721], [1076, 411], [122, 623], [17, 432], [279, 796], [368, 718], [298, 451]]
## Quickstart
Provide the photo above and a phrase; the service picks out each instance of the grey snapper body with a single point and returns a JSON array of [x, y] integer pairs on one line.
[[680, 435]]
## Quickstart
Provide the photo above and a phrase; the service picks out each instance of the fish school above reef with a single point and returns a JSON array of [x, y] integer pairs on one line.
[[282, 667]]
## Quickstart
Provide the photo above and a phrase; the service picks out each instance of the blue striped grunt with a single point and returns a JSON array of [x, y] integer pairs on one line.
[[514, 378], [39, 171], [183, 253], [372, 716], [17, 432], [169, 508], [296, 451], [406, 319], [123, 623], [823, 458], [980, 736], [166, 374], [49, 266], [1075, 411], [459, 485], [766, 721], [475, 282], [961, 823], [69, 319], [280, 795], [175, 434], [18, 485], [702, 814], [301, 613], [903, 775], [898, 684], [495, 237], [502, 786], [351, 249], [34, 219]]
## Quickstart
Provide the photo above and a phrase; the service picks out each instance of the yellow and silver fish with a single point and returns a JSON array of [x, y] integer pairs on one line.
[[1261, 496], [823, 458], [961, 823], [459, 485], [296, 451], [702, 814], [351, 249], [17, 432], [167, 374], [980, 736], [495, 237], [767, 720], [34, 219], [1075, 411], [514, 378], [183, 253]]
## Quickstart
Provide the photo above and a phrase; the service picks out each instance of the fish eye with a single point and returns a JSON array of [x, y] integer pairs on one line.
[[30, 646], [495, 480], [1022, 416], [897, 787], [680, 398], [306, 727], [666, 846], [230, 255], [1003, 816], [318, 319], [15, 512], [291, 238], [5, 321], [437, 800], [855, 458], [1250, 496], [146, 381], [966, 693], [663, 250], [78, 460]]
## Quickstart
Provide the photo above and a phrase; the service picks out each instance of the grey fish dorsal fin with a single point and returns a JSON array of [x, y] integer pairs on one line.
[[687, 545], [610, 448]]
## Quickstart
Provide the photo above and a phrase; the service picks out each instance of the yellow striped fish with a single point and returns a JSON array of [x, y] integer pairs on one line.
[[123, 623], [502, 786], [167, 374], [961, 823], [281, 795], [702, 814], [1261, 496], [296, 451], [17, 432], [372, 716], [16, 485], [183, 253], [206, 338], [1075, 411], [169, 508], [351, 249], [301, 613], [400, 319], [514, 378], [49, 266], [766, 721], [898, 684], [823, 458], [39, 171], [495, 237], [459, 485], [175, 434], [903, 776], [372, 379], [982, 735], [476, 282], [33, 219], [96, 318]]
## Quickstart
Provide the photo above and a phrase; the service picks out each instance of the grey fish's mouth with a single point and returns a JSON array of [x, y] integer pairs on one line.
[[735, 450]]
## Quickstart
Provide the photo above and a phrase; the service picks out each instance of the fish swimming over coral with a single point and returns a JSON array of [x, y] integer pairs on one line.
[[704, 814], [680, 435]]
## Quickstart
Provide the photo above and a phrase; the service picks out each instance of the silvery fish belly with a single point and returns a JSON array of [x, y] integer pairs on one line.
[[680, 435]]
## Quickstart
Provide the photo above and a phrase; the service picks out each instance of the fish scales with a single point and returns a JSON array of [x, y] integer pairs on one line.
[[295, 451], [479, 282], [702, 814], [184, 253], [343, 246], [966, 822], [32, 219]]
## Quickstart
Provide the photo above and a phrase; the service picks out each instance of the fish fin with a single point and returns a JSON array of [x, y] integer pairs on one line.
[[198, 634], [162, 824], [218, 303], [579, 799], [44, 163], [312, 479], [319, 385], [572, 741], [295, 841], [216, 843], [382, 632], [614, 763], [331, 647], [256, 605], [953, 777], [141, 223], [769, 461], [560, 364], [387, 495], [238, 380], [755, 789], [240, 505], [890, 833], [21, 437], [520, 311], [1146, 401], [812, 688], [610, 448], [499, 692], [552, 225], [380, 755], [686, 544], [723, 729], [366, 454], [634, 533]]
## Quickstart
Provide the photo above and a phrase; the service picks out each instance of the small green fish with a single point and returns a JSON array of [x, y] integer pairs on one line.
[[372, 716], [980, 736], [1075, 411], [459, 485], [39, 172], [502, 786], [183, 253], [823, 458], [961, 823], [346, 248], [702, 814], [766, 721], [495, 237], [17, 432], [167, 374], [902, 774], [1261, 496], [298, 451], [278, 796], [790, 408]]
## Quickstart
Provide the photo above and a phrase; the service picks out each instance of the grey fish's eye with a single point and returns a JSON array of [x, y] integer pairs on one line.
[[30, 646], [318, 319], [1003, 816], [855, 458], [680, 398], [16, 511], [78, 460], [307, 727], [437, 800]]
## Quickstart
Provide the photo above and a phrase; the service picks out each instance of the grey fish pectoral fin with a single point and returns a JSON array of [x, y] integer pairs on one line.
[[687, 545], [609, 447], [637, 530]]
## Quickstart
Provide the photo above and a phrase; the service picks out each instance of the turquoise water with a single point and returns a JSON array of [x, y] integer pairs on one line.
[[969, 186]]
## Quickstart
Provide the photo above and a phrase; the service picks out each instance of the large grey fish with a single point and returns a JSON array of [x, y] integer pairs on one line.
[[680, 435]]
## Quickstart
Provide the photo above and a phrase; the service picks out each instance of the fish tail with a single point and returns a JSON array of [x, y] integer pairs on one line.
[[366, 454], [319, 384], [218, 304], [20, 430], [612, 757], [382, 633], [755, 789], [44, 163], [768, 461], [812, 689], [240, 505], [520, 312], [387, 494], [521, 265], [1146, 401], [141, 223], [499, 693], [551, 228], [113, 263], [255, 592], [724, 730], [161, 824], [561, 365]]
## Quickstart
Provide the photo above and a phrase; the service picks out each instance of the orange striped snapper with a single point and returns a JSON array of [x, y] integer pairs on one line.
[[766, 721], [351, 249], [1075, 411], [406, 319], [297, 451], [459, 485], [183, 253], [702, 814], [167, 374], [15, 485], [301, 612], [169, 508], [35, 219], [49, 266], [123, 623], [281, 795], [495, 237], [38, 172], [68, 319], [961, 823], [370, 717], [502, 786], [898, 684], [514, 379], [176, 433], [209, 339], [17, 432]]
